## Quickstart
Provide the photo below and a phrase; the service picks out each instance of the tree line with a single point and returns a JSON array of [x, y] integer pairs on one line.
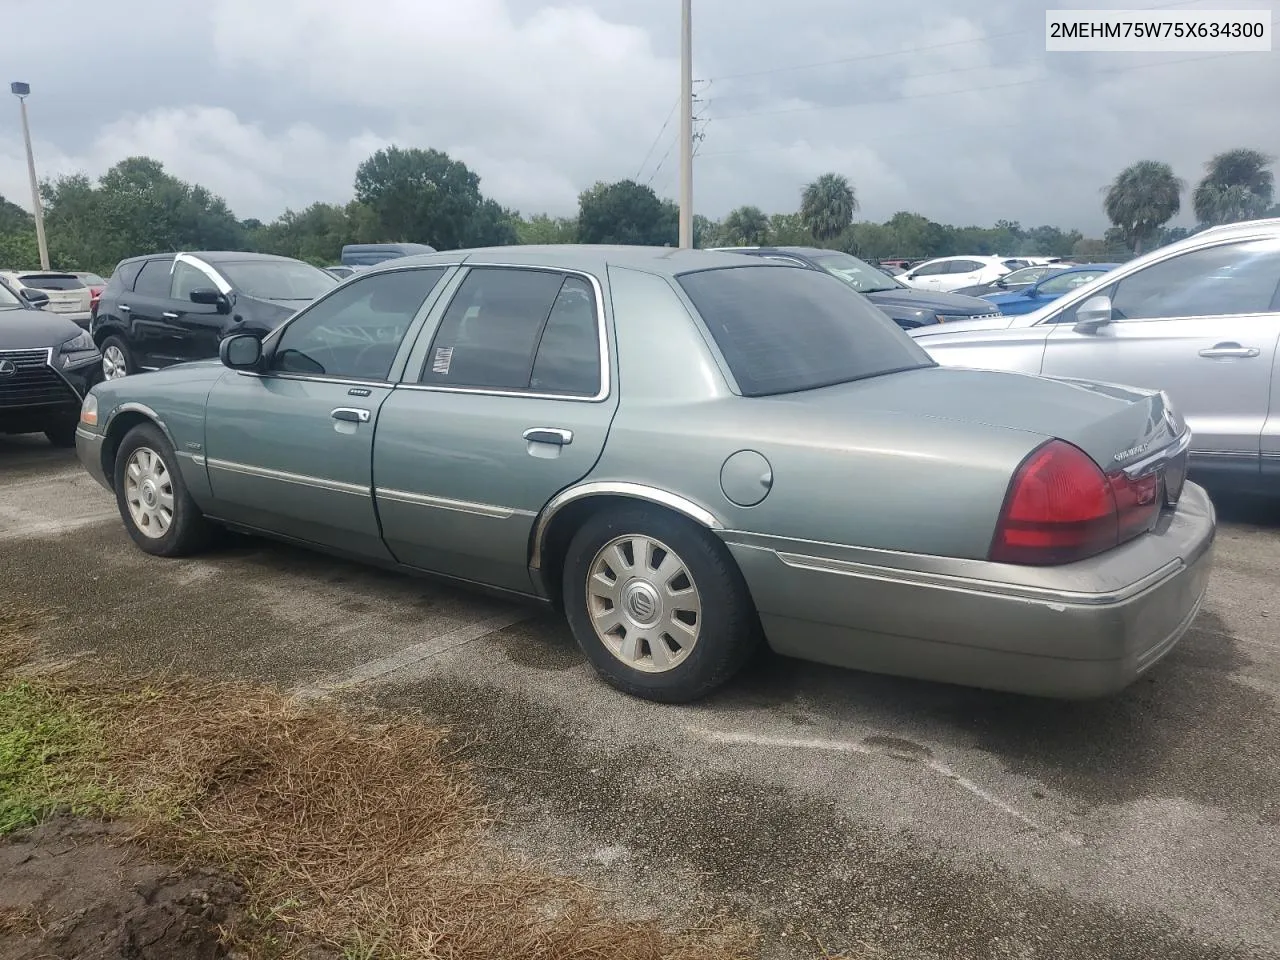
[[425, 196]]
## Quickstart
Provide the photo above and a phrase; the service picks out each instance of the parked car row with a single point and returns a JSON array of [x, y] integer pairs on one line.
[[689, 453]]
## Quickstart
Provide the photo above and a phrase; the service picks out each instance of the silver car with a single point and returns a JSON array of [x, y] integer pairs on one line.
[[1198, 319], [68, 295], [686, 452]]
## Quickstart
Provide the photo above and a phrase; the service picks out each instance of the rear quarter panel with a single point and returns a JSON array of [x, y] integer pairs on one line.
[[839, 475]]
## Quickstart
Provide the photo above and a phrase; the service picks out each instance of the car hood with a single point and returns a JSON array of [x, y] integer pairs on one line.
[[1113, 424], [270, 312], [951, 304], [1010, 296], [34, 329]]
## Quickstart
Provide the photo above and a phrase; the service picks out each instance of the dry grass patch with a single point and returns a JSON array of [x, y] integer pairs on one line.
[[352, 830]]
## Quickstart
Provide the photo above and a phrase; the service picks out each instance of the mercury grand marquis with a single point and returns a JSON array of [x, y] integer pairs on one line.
[[690, 454]]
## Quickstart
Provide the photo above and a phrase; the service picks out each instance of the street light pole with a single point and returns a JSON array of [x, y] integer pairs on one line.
[[20, 90], [686, 125]]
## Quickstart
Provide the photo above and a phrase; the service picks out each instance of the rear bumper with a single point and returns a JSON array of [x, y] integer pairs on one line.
[[1082, 630]]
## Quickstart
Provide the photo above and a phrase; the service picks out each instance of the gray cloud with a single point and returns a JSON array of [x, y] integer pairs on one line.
[[952, 109]]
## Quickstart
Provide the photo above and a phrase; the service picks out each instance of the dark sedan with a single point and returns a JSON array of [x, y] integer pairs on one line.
[[907, 307], [170, 308], [47, 364]]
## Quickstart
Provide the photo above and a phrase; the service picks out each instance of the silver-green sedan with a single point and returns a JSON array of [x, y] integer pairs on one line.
[[689, 453]]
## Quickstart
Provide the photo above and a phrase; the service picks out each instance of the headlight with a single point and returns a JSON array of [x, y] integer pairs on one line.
[[89, 410], [81, 343]]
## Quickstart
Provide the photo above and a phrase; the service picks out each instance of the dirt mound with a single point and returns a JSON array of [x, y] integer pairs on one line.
[[78, 889]]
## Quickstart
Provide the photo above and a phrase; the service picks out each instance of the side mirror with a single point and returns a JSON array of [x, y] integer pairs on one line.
[[1093, 314], [37, 298], [241, 351], [211, 297]]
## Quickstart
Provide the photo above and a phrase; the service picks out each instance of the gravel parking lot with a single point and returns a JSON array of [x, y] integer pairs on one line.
[[837, 810]]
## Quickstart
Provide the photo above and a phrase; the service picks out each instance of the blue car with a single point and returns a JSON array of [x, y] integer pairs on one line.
[[1048, 289]]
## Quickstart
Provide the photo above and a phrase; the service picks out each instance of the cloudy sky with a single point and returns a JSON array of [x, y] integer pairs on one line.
[[951, 108]]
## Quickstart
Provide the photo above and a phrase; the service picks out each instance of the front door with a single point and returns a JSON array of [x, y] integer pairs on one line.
[[198, 327], [289, 451], [506, 401], [1203, 327]]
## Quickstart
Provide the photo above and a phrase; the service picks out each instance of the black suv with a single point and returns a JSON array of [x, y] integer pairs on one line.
[[47, 364], [907, 307], [170, 308]]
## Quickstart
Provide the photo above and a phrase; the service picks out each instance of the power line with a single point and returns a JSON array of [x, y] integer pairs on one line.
[[666, 123], [911, 50], [947, 93]]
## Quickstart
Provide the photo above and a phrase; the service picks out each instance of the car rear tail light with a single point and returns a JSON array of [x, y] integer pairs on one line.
[[1061, 507]]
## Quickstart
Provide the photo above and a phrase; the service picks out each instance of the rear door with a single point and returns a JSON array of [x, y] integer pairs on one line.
[[960, 273], [148, 331], [1202, 326], [507, 400]]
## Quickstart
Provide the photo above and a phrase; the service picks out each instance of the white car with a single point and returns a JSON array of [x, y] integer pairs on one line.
[[69, 296], [951, 273], [1198, 318]]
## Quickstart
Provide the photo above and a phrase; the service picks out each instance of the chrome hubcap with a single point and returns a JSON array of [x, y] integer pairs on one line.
[[148, 492], [643, 603], [113, 364]]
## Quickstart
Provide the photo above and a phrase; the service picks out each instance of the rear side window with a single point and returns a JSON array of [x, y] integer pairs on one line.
[[964, 266], [782, 330], [51, 281], [124, 276], [491, 334], [153, 281]]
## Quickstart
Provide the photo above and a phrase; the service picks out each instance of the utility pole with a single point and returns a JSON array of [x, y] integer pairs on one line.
[[686, 124], [21, 90]]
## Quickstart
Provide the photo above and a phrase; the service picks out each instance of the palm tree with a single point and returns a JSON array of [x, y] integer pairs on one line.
[[747, 226], [1142, 199], [827, 206], [1238, 186]]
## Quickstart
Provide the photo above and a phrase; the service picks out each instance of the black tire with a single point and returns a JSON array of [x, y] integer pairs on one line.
[[188, 531], [130, 364], [728, 629], [62, 435]]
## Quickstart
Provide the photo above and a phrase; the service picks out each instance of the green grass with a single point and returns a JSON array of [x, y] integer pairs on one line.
[[45, 750]]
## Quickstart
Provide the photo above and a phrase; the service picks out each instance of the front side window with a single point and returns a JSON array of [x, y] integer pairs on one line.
[[355, 334], [518, 329], [783, 330], [153, 281], [187, 278], [1233, 278], [931, 269]]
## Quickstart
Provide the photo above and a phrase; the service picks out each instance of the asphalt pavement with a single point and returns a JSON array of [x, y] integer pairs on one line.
[[836, 810]]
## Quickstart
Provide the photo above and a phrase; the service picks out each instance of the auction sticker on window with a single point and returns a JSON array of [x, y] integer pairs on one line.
[[1159, 31]]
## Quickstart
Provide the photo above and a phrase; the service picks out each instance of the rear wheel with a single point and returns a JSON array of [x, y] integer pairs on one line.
[[152, 497], [657, 604], [117, 359]]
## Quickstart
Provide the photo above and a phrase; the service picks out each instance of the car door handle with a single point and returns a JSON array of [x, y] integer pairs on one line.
[[1229, 350], [350, 415], [124, 307], [549, 435], [170, 315]]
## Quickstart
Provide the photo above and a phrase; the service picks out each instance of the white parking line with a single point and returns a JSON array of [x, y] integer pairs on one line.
[[377, 669], [846, 746]]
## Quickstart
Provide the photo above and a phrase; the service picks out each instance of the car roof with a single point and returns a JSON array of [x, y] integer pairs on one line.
[[213, 256], [666, 261]]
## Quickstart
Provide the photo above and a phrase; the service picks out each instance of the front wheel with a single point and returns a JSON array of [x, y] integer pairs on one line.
[[152, 497], [657, 604]]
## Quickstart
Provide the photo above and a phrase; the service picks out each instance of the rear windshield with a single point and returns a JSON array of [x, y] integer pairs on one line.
[[278, 279], [51, 281], [783, 329]]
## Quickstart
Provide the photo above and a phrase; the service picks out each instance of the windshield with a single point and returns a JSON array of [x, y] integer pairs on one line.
[[277, 279], [784, 329], [861, 276], [9, 300]]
